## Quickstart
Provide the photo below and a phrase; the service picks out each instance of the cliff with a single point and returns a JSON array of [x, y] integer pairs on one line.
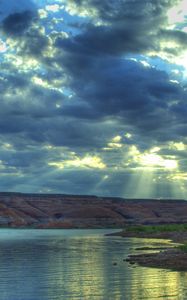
[[70, 211]]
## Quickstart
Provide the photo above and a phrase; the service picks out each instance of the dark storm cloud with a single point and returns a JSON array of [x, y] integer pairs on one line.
[[11, 81], [29, 111], [81, 92], [22, 98], [34, 43], [11, 6], [138, 95], [129, 26], [109, 40], [77, 180], [81, 122], [132, 26], [17, 23], [22, 27], [109, 92], [178, 36], [107, 86], [117, 10], [16, 16], [28, 170], [24, 158]]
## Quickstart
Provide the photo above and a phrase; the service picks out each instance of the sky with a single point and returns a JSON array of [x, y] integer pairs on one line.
[[93, 97]]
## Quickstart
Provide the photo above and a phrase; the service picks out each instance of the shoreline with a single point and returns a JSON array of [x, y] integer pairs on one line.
[[172, 258]]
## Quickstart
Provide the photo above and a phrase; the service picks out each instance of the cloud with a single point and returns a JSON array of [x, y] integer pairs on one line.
[[16, 24], [120, 27], [12, 7], [80, 112], [118, 10], [139, 96]]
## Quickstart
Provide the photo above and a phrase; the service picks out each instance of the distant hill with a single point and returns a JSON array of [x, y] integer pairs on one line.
[[82, 211]]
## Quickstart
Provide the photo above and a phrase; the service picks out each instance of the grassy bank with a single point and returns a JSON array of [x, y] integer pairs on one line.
[[166, 228], [174, 258], [183, 247], [156, 228]]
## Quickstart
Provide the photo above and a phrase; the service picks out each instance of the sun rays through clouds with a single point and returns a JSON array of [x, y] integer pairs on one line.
[[93, 97]]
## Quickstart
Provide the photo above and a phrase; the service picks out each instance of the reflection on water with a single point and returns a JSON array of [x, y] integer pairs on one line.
[[79, 264], [156, 284]]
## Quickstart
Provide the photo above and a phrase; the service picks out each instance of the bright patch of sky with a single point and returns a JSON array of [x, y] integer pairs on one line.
[[177, 15]]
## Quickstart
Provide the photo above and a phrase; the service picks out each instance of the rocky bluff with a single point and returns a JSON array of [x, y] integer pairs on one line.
[[72, 211]]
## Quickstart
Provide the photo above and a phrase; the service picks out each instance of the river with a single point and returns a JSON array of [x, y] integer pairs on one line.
[[80, 264]]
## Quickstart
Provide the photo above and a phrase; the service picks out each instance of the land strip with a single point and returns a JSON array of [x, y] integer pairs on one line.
[[174, 258]]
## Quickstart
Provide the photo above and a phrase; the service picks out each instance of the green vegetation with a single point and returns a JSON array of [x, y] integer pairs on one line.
[[183, 247], [156, 228]]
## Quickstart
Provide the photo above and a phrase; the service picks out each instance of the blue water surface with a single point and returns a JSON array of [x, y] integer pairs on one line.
[[80, 264]]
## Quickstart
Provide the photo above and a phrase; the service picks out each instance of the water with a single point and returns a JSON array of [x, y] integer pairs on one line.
[[79, 264]]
